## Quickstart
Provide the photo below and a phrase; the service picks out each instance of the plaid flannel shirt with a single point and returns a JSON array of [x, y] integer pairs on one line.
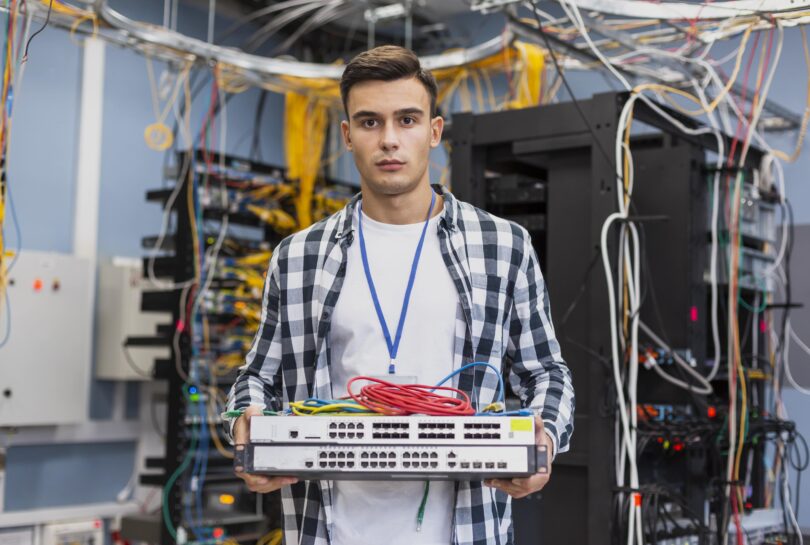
[[504, 313]]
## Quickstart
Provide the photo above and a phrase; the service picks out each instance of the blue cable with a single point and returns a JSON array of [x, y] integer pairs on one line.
[[501, 389]]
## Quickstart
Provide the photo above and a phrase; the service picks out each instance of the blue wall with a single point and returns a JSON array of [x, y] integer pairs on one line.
[[42, 176]]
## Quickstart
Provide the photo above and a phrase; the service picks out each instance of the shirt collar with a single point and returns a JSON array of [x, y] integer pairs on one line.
[[448, 221]]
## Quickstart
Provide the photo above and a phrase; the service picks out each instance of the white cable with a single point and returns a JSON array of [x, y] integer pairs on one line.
[[790, 334], [634, 294], [764, 92], [703, 387], [614, 343], [167, 209], [788, 504]]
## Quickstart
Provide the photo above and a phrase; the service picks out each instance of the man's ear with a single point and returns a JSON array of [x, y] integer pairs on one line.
[[347, 139], [436, 128]]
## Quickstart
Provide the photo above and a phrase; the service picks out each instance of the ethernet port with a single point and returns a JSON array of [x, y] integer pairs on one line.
[[476, 465], [451, 465], [293, 434], [464, 465], [425, 464], [490, 465], [332, 464], [350, 425], [434, 464], [406, 464], [332, 435], [350, 435], [364, 464], [501, 465], [309, 463], [322, 464], [341, 464], [341, 435], [392, 464]]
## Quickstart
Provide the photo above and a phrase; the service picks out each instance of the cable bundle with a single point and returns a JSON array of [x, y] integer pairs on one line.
[[403, 399]]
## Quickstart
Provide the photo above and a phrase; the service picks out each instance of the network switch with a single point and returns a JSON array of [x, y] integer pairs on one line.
[[408, 430], [402, 462], [382, 447]]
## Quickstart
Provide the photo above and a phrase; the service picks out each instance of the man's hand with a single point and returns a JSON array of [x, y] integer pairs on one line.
[[519, 488], [241, 436]]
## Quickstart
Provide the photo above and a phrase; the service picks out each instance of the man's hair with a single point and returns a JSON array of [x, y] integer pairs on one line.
[[386, 63]]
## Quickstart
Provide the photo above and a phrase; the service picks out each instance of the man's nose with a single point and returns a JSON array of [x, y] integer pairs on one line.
[[390, 139]]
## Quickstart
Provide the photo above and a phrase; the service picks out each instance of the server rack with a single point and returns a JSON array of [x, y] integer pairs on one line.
[[203, 183], [547, 170]]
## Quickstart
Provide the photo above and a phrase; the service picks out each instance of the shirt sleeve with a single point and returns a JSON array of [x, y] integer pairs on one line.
[[539, 376], [259, 379]]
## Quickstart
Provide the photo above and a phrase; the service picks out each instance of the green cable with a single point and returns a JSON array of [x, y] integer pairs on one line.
[[167, 519], [420, 516], [239, 412]]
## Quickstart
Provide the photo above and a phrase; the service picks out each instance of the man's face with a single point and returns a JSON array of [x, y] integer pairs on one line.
[[390, 132]]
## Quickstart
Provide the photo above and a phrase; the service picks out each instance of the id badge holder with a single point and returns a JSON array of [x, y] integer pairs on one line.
[[397, 379]]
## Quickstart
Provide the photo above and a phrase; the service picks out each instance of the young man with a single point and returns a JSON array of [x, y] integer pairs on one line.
[[469, 285]]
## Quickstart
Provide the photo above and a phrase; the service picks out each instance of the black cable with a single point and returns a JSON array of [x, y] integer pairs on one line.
[[571, 92], [40, 29], [255, 147]]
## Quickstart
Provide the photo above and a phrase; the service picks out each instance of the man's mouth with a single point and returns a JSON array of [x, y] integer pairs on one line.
[[390, 165]]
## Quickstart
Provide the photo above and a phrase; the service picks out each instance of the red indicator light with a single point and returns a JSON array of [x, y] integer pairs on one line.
[[218, 533], [678, 447], [38, 285], [711, 412], [97, 524], [637, 500], [693, 314], [763, 327]]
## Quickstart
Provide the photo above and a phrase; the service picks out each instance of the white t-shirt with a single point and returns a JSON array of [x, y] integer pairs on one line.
[[375, 512]]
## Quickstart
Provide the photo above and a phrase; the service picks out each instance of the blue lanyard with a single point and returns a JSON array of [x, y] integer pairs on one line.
[[393, 347]]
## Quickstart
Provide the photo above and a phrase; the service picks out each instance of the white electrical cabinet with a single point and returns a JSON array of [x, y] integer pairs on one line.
[[118, 316], [17, 536], [89, 532], [45, 365]]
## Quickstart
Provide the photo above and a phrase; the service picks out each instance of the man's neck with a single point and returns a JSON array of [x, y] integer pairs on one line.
[[401, 209]]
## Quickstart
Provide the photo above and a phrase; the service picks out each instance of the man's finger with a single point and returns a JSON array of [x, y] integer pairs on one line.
[[509, 487], [533, 483]]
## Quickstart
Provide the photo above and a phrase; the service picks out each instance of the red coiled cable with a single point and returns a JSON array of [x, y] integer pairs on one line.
[[403, 399]]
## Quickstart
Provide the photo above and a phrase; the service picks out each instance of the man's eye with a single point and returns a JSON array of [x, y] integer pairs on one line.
[[369, 123], [408, 121]]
